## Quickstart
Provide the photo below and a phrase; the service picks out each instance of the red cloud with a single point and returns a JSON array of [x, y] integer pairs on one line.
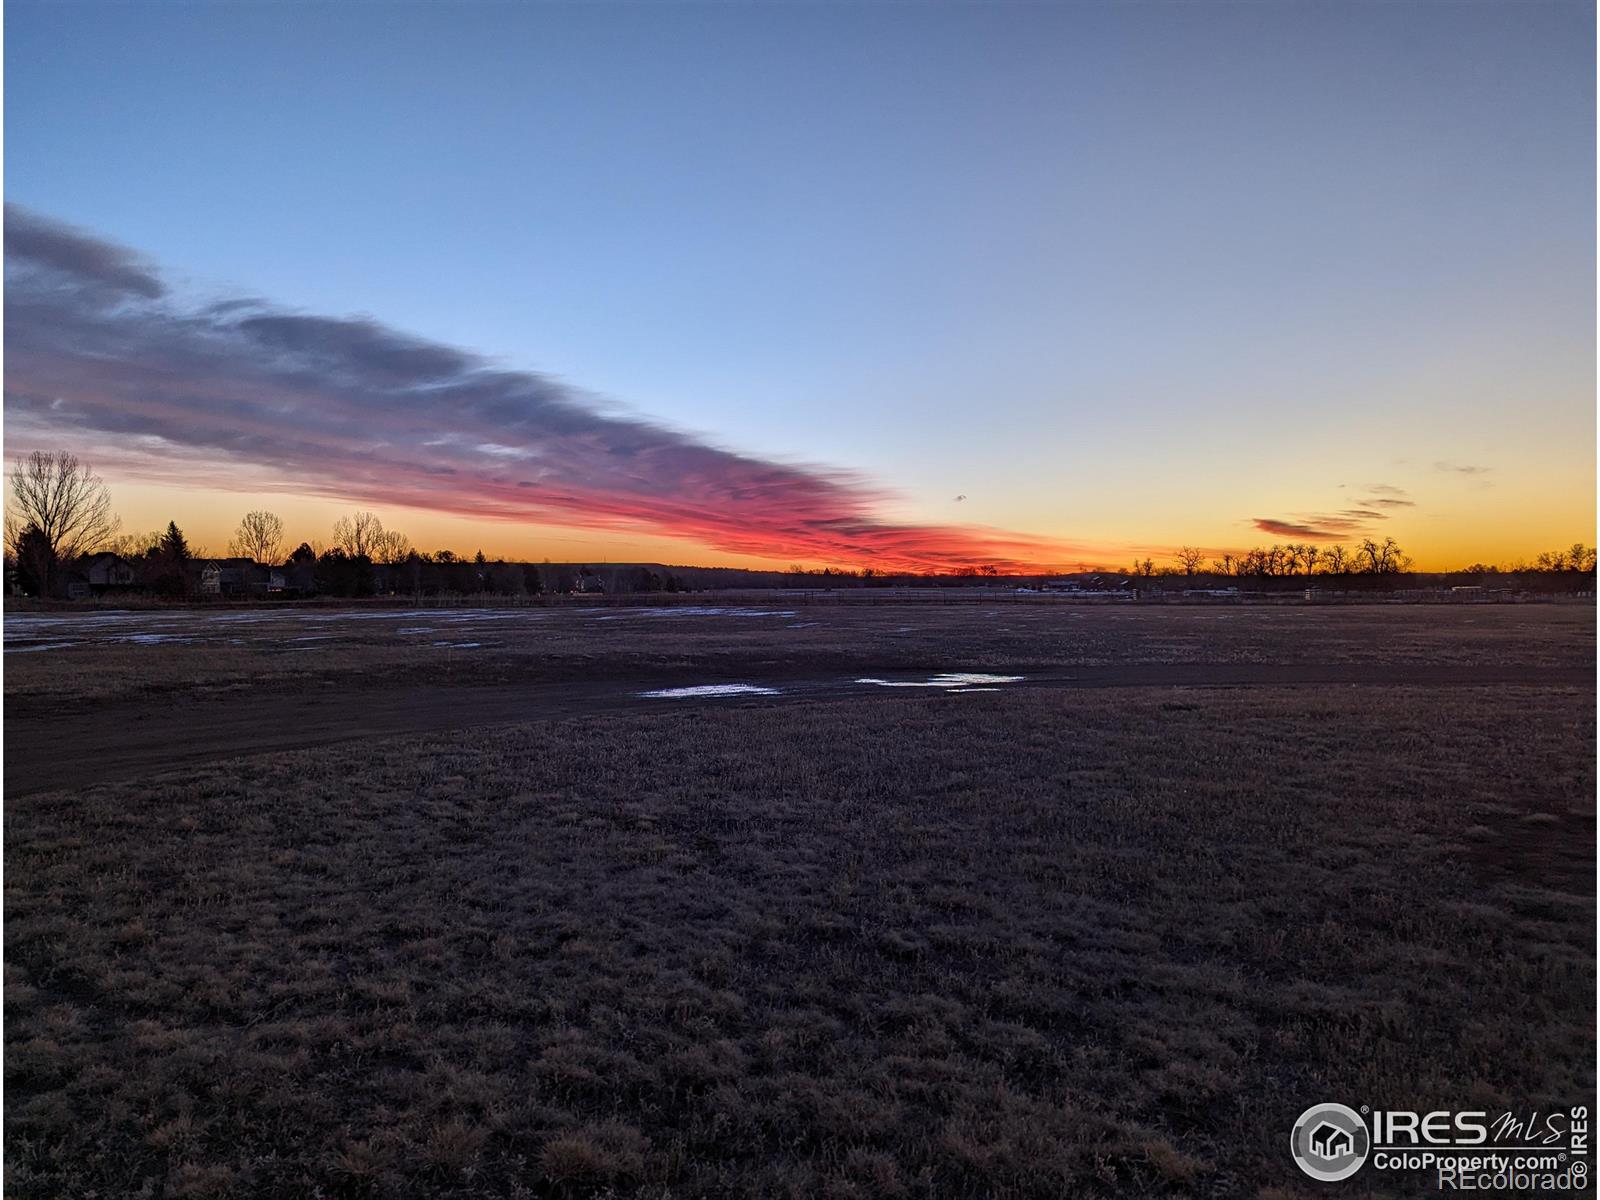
[[99, 354]]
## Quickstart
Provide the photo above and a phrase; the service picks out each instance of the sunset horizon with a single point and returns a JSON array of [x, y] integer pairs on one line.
[[757, 599], [574, 299], [82, 312]]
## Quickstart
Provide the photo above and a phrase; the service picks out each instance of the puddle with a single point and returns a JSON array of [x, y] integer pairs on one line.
[[710, 689], [39, 646], [953, 681], [459, 645]]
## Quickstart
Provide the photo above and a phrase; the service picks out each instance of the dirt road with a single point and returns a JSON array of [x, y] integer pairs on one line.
[[44, 751]]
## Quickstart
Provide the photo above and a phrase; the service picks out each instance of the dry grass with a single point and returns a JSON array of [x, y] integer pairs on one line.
[[274, 650], [1020, 944]]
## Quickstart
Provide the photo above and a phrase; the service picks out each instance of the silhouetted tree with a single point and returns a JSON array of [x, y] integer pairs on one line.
[[342, 574], [174, 545], [390, 546], [64, 503], [136, 545], [1385, 558], [36, 561], [357, 535], [259, 537], [169, 566]]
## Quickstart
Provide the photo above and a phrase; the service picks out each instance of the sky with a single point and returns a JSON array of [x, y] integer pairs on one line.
[[887, 284]]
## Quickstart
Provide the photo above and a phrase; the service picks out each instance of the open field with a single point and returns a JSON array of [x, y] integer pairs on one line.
[[1036, 938], [165, 688], [95, 655]]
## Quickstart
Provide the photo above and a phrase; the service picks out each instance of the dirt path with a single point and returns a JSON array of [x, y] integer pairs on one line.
[[129, 739]]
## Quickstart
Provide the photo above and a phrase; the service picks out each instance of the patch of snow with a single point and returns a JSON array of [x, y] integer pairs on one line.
[[710, 689], [950, 681]]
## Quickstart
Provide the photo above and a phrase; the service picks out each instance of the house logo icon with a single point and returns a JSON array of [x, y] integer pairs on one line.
[[1330, 1142]]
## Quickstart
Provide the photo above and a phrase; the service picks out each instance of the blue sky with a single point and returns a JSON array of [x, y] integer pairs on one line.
[[1124, 275]]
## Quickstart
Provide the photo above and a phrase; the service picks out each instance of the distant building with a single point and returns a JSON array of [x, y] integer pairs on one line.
[[235, 577], [97, 574]]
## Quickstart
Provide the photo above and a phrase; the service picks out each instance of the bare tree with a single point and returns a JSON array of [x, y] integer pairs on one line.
[[64, 500], [1393, 558], [135, 545], [1336, 560], [1190, 558], [390, 546], [1381, 559], [357, 535], [259, 537]]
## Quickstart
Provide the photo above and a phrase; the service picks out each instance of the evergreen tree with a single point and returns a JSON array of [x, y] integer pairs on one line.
[[174, 546]]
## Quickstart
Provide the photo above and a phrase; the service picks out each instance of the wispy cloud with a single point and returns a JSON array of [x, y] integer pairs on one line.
[[1354, 522], [101, 355], [1386, 495], [1313, 529], [1461, 468]]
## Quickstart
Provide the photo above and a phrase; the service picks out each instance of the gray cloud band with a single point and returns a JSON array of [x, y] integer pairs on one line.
[[99, 351]]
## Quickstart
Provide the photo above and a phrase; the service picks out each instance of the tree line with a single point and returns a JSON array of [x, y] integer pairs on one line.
[[59, 514], [1370, 557]]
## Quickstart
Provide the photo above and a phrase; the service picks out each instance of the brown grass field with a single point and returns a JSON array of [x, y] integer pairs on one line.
[[1031, 942]]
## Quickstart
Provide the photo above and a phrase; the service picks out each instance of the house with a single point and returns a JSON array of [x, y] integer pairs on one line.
[[242, 577], [96, 574], [1329, 1141], [105, 572]]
